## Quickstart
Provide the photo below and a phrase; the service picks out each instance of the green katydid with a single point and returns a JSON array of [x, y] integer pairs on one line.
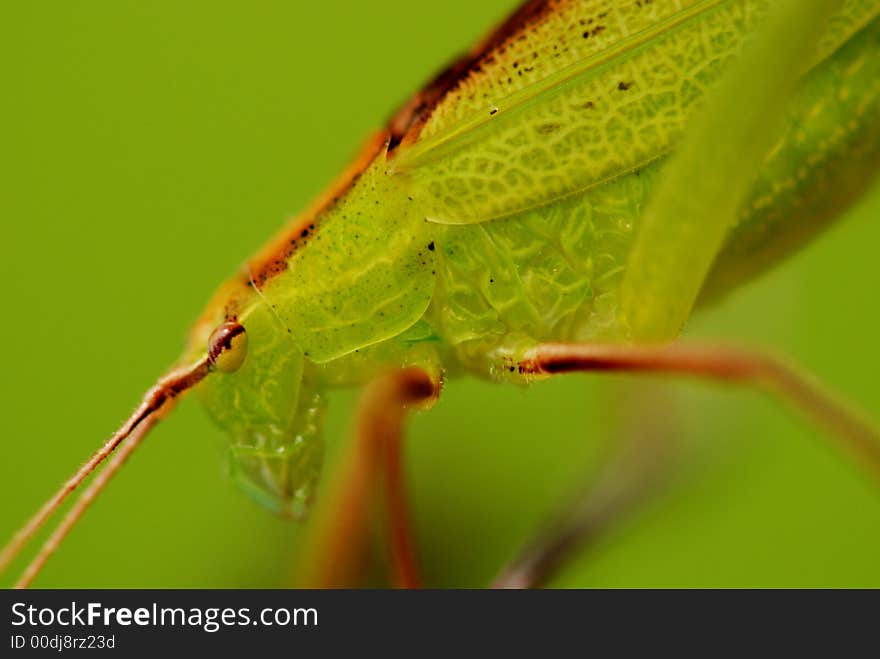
[[521, 217]]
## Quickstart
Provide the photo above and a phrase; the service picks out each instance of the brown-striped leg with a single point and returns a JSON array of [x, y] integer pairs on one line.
[[375, 462], [724, 363]]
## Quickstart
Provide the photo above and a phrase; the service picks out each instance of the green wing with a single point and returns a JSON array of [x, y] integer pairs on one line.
[[588, 92]]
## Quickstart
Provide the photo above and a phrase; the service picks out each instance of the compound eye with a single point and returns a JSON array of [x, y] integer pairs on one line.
[[227, 347]]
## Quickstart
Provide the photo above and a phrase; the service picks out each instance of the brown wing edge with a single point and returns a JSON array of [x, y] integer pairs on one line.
[[273, 258], [406, 124]]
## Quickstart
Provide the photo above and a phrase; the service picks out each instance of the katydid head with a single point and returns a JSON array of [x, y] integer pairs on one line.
[[249, 374], [259, 395]]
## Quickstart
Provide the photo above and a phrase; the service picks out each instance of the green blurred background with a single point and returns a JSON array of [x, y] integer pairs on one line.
[[149, 147]]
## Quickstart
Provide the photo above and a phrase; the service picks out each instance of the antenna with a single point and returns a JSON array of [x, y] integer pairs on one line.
[[156, 404]]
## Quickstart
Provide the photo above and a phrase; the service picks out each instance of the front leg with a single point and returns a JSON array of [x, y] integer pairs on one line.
[[374, 462]]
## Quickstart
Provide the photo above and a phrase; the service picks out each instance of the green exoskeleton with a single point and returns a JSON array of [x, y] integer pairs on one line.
[[560, 199]]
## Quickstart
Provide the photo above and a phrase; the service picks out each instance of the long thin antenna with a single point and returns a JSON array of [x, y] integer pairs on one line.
[[73, 515], [157, 402]]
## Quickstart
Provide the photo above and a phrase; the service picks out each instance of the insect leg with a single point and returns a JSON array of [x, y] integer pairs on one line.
[[712, 172], [374, 462], [643, 459], [724, 363]]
